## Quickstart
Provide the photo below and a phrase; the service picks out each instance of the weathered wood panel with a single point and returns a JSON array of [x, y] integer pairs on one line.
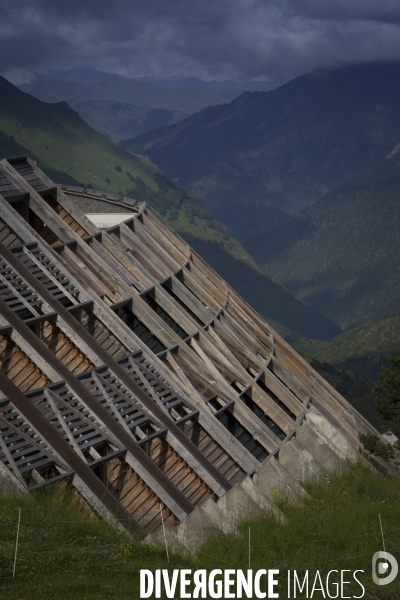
[[136, 496], [64, 349], [179, 472], [214, 452], [7, 236], [18, 367], [67, 218]]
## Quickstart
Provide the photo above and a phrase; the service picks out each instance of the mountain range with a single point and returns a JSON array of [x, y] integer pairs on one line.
[[65, 145], [89, 75], [266, 156], [129, 91]]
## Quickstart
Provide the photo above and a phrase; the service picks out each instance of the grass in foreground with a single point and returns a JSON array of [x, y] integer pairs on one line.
[[63, 556], [337, 528]]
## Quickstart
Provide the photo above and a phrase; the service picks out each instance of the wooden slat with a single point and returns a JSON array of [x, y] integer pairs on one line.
[[136, 496]]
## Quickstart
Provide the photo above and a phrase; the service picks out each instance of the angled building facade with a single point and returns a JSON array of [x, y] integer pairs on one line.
[[133, 374]]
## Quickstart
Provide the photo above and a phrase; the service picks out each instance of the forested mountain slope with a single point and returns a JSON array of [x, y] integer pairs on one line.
[[342, 254]]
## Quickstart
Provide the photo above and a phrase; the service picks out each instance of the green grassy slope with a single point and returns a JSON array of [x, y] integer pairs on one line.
[[119, 121], [139, 93], [362, 349], [61, 555], [9, 147], [341, 255], [60, 138], [266, 156], [62, 141]]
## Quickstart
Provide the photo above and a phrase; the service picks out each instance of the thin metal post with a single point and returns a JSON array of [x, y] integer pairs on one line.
[[165, 537], [383, 539], [249, 547], [16, 543]]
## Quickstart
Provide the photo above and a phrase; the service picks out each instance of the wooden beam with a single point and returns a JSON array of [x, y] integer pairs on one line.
[[49, 395]]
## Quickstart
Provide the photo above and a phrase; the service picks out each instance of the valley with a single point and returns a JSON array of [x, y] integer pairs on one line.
[[117, 120]]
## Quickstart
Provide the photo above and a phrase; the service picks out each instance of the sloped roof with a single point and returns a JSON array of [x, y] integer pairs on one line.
[[131, 369]]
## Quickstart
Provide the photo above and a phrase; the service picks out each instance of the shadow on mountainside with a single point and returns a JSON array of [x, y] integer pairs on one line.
[[268, 298]]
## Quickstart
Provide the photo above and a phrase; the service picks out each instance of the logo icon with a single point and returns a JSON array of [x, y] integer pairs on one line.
[[384, 563]]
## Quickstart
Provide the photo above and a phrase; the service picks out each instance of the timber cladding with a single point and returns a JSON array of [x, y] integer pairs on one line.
[[18, 367], [132, 374], [63, 348]]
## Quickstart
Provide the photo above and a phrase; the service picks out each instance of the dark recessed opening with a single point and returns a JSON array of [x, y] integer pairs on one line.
[[262, 416], [283, 406], [168, 320], [167, 287], [139, 329], [242, 435]]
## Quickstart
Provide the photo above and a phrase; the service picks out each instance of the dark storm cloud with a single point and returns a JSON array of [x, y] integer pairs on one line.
[[207, 38]]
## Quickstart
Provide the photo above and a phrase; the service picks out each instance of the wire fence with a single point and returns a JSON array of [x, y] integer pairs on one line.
[[103, 553], [251, 547]]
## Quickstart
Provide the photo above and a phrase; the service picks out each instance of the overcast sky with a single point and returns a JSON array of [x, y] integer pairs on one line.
[[259, 39]]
